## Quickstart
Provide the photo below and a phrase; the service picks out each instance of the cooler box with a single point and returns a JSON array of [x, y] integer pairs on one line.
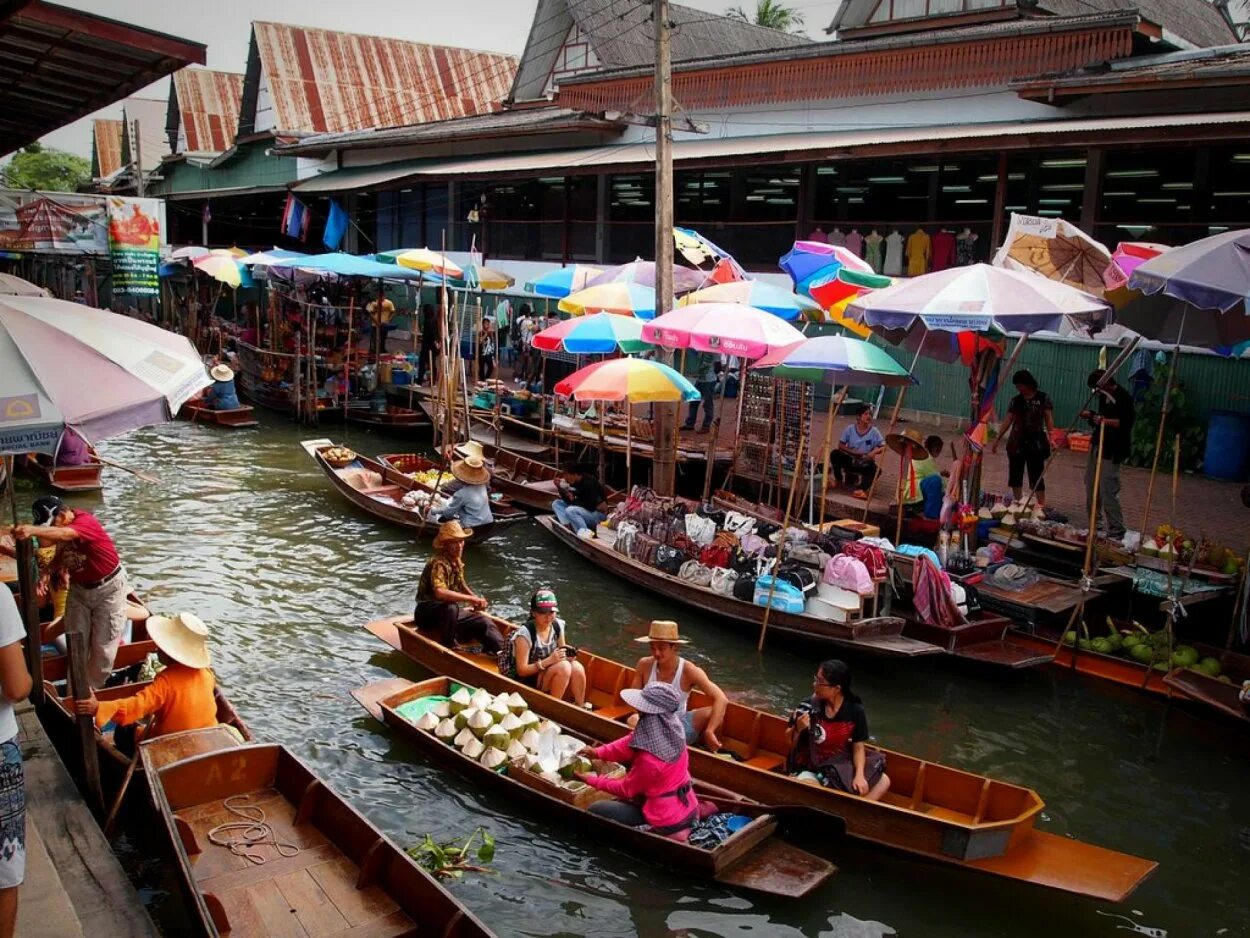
[[835, 603]]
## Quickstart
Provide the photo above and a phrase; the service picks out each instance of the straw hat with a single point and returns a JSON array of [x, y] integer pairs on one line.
[[451, 531], [898, 442], [471, 470], [221, 373], [663, 630], [471, 448], [184, 637]]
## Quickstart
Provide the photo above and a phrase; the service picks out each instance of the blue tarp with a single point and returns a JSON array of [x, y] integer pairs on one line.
[[348, 265]]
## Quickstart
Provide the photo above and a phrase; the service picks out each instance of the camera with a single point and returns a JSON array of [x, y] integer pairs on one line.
[[572, 652], [799, 711]]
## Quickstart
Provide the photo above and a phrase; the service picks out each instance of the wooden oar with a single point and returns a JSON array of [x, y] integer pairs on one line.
[[799, 812], [116, 807], [145, 476]]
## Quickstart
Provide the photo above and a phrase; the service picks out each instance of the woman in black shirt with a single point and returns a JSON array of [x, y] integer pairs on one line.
[[1031, 420]]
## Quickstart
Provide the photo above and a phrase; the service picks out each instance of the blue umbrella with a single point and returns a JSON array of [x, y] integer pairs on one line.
[[559, 283]]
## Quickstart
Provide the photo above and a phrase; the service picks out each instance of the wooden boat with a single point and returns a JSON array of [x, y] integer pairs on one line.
[[882, 635], [155, 754], [932, 811], [339, 874], [484, 433], [234, 417], [1222, 696], [751, 858], [377, 489], [83, 478], [403, 421]]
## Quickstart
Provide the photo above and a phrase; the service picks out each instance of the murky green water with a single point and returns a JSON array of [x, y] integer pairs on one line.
[[245, 531]]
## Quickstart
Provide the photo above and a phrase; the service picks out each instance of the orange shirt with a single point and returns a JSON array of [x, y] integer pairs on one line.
[[180, 697]]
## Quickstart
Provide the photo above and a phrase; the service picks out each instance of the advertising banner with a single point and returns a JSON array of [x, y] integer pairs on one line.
[[134, 237]]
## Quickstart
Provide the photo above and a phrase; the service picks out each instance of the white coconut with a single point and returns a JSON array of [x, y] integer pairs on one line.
[[545, 726], [492, 757], [501, 699], [529, 718], [1008, 520], [427, 721], [552, 777], [517, 704], [459, 700], [480, 699], [445, 730], [473, 749], [511, 725], [442, 709], [463, 737], [515, 751], [497, 737], [498, 710], [480, 722], [464, 716], [529, 739]]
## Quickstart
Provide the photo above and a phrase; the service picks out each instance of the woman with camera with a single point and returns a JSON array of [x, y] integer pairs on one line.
[[536, 653], [828, 734]]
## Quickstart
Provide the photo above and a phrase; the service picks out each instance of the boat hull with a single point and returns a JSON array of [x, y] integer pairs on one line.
[[84, 478], [234, 418]]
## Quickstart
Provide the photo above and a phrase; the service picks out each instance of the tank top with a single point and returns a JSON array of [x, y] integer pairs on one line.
[[675, 682]]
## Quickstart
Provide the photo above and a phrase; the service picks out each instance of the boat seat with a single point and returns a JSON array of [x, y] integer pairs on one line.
[[614, 712], [767, 761]]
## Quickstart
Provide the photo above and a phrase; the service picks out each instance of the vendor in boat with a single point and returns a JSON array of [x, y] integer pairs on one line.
[[657, 789], [443, 588], [470, 504], [538, 655], [222, 395], [828, 736], [582, 503], [665, 665], [180, 697], [72, 450], [854, 462]]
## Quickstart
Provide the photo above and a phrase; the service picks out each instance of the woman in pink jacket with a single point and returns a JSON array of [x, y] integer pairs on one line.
[[657, 789]]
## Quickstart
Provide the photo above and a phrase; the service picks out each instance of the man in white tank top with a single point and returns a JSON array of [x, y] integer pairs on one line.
[[666, 666]]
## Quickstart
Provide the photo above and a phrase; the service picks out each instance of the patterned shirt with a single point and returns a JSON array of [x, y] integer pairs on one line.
[[441, 573]]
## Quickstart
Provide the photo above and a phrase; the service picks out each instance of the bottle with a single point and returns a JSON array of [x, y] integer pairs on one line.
[[943, 551]]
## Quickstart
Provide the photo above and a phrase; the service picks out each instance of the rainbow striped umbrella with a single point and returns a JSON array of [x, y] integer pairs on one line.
[[622, 297], [596, 334], [627, 379], [557, 284], [765, 296], [837, 359]]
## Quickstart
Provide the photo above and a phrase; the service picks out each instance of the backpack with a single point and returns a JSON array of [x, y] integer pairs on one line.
[[669, 559]]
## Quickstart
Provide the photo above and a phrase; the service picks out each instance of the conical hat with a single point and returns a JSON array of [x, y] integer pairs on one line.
[[184, 637]]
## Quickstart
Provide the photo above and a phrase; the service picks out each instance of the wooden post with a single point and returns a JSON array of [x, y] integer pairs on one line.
[[1163, 416], [629, 446], [27, 577], [834, 406], [664, 460], [903, 467], [781, 545], [81, 690]]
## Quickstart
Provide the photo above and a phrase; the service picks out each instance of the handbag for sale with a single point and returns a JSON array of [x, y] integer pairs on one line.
[[669, 559], [644, 549], [715, 555], [800, 577], [808, 554], [724, 580], [700, 530], [710, 511], [626, 531], [744, 588], [694, 572], [738, 523]]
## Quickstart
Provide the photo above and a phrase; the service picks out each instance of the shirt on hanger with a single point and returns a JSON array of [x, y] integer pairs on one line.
[[919, 248], [943, 250], [855, 243], [893, 255]]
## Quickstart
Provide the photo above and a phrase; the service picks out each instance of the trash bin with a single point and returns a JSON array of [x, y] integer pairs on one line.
[[1228, 446]]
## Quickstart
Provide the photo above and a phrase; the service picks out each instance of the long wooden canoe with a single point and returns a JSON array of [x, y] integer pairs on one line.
[[877, 636], [751, 858], [234, 418], [1224, 698], [339, 874], [377, 490], [395, 420], [932, 811], [82, 478]]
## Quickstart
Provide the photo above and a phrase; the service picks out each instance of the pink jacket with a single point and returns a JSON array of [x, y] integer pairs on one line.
[[649, 779]]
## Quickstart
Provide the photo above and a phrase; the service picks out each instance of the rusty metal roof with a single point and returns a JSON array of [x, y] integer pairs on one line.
[[58, 64], [302, 80], [203, 110], [1220, 65], [106, 147]]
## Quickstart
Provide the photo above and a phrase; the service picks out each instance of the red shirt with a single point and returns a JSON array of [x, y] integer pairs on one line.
[[91, 556]]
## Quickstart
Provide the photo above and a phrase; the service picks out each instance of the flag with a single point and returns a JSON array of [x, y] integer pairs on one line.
[[336, 226], [977, 436], [295, 218]]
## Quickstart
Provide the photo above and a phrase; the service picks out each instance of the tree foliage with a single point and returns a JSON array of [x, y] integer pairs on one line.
[[770, 14], [37, 167]]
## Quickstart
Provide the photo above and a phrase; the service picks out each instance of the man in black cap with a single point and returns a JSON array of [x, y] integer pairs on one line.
[[96, 606], [1115, 416]]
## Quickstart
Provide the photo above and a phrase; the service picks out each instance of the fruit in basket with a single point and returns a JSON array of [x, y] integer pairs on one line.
[[338, 454]]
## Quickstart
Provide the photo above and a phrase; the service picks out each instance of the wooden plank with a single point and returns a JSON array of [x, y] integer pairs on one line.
[[389, 926], [311, 905], [338, 879], [277, 918], [81, 689], [226, 881]]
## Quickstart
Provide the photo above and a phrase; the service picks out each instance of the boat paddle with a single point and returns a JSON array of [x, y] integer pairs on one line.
[[116, 807], [145, 476], [821, 820]]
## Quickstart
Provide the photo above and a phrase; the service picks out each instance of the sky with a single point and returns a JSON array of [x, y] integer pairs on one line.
[[224, 27]]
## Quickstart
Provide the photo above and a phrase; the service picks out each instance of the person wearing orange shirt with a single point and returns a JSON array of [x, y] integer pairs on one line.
[[180, 697]]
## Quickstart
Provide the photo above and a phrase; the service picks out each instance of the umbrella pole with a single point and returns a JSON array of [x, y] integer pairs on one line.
[[1163, 417], [781, 547], [711, 450], [629, 446], [903, 465], [834, 406], [347, 355], [602, 459], [742, 393]]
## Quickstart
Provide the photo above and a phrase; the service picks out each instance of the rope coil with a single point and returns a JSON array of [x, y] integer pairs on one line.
[[253, 831]]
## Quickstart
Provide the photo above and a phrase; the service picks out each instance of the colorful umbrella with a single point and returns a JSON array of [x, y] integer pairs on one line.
[[763, 296], [482, 278], [270, 257], [623, 297], [16, 286], [1056, 249], [190, 252], [627, 379], [643, 273], [223, 268], [427, 261], [726, 328], [65, 364], [1129, 255], [843, 285], [837, 359], [808, 257], [236, 252], [698, 250], [1213, 273], [557, 284], [596, 334], [337, 265]]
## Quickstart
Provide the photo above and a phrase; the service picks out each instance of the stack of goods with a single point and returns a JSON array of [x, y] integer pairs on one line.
[[423, 503], [1135, 641], [431, 478]]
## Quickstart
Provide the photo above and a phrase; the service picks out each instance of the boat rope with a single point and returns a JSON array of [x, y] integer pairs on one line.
[[253, 831]]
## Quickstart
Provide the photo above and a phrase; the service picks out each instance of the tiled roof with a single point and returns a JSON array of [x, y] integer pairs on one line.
[[106, 147], [320, 81], [207, 104]]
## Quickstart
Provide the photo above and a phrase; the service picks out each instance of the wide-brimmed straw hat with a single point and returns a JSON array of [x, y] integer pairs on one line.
[[221, 373], [898, 442], [471, 470], [451, 531], [654, 698], [663, 630], [184, 637], [471, 448]]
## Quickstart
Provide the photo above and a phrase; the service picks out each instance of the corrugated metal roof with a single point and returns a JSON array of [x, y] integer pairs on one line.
[[106, 147], [153, 144], [589, 158], [321, 81], [208, 109], [1230, 64]]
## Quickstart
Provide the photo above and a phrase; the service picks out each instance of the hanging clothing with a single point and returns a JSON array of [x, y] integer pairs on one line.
[[837, 237], [931, 594], [872, 250], [855, 243], [966, 249], [893, 255], [919, 252], [943, 250]]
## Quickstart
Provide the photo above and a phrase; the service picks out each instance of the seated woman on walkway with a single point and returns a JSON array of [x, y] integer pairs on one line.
[[828, 735], [657, 789], [854, 461], [537, 655]]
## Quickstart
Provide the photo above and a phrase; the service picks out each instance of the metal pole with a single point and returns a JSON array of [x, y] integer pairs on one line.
[[834, 407], [664, 470], [140, 186]]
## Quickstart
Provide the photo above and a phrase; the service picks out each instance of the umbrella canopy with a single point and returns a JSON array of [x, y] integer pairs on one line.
[[1056, 249], [596, 334], [977, 298], [336, 265], [64, 364], [837, 359], [627, 379], [763, 296], [622, 297], [424, 260], [1166, 319], [16, 286], [477, 277], [223, 268], [726, 328], [1129, 255], [643, 273], [1213, 273], [269, 258], [946, 347], [557, 284], [845, 284], [809, 257], [190, 252], [698, 250]]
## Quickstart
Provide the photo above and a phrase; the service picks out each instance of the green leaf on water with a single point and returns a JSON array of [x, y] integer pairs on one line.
[[486, 852]]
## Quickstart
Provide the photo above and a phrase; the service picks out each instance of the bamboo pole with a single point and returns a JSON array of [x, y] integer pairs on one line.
[[781, 546], [834, 406], [903, 466], [1078, 611], [742, 394], [347, 356], [1163, 416], [629, 446], [80, 688], [711, 461], [1176, 472]]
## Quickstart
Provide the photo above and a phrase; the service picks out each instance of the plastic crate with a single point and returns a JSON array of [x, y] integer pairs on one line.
[[1079, 442]]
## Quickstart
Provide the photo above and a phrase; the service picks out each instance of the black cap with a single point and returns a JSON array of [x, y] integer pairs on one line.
[[45, 509]]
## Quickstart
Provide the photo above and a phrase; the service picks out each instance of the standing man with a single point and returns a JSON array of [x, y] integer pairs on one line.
[[581, 503], [854, 461], [96, 606], [1115, 415], [503, 326], [707, 377]]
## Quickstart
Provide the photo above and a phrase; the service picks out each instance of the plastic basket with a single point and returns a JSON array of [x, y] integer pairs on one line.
[[1079, 442]]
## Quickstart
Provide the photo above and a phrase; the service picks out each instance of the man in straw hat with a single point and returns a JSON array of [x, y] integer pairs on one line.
[[96, 605], [582, 500], [854, 462], [470, 504], [222, 395], [443, 588], [666, 666], [180, 697]]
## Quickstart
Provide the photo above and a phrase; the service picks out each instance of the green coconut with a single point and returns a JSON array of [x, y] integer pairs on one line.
[[517, 704], [481, 699], [530, 738], [427, 721], [459, 700], [1209, 666], [463, 737], [497, 710], [529, 719], [1069, 637], [445, 730], [515, 751], [574, 765], [473, 748], [480, 722], [1142, 652], [511, 725], [1185, 656], [1101, 645], [492, 758], [464, 716], [1130, 641], [1085, 644], [496, 737], [1163, 666]]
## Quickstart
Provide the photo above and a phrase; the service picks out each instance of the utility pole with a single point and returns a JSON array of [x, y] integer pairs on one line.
[[138, 148], [664, 458]]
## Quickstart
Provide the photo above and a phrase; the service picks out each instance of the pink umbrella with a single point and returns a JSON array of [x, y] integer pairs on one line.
[[728, 328], [643, 273], [1128, 256]]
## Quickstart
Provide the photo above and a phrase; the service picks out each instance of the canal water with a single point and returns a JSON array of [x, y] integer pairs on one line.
[[243, 530]]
